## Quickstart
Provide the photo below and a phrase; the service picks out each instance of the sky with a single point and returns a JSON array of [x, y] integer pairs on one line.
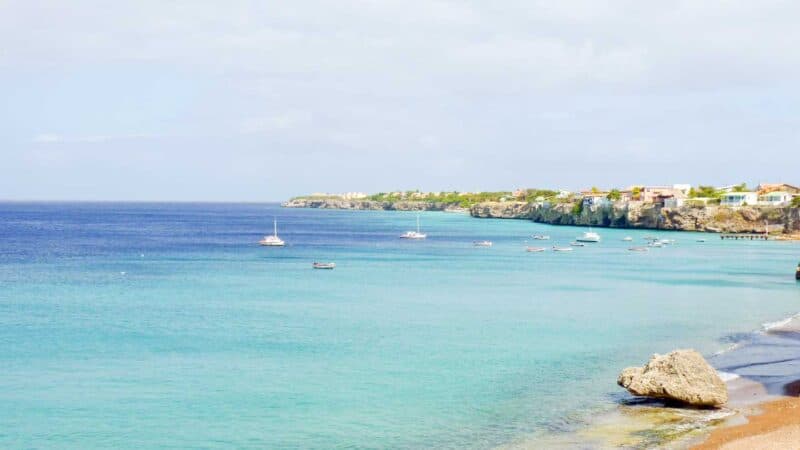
[[259, 100]]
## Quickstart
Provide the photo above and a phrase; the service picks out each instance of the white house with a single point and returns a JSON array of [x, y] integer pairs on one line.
[[777, 198], [739, 199], [674, 202], [685, 188]]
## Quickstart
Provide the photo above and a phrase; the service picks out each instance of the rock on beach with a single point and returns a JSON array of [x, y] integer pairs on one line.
[[681, 375]]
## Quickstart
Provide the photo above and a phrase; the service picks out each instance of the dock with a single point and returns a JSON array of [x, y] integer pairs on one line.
[[745, 236]]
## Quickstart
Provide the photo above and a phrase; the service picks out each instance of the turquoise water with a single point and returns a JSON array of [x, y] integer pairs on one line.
[[165, 326]]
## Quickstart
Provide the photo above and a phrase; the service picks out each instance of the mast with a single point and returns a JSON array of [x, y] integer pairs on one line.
[[275, 226], [417, 223]]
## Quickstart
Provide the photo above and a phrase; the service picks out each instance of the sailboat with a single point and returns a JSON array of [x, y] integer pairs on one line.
[[414, 234], [274, 240], [589, 236]]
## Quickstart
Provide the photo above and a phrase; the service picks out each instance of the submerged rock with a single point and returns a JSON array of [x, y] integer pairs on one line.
[[682, 375]]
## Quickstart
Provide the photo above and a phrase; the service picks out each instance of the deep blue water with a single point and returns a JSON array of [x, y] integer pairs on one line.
[[166, 326]]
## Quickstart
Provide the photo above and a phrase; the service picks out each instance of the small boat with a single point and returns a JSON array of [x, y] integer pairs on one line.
[[414, 234], [562, 249], [639, 249], [797, 272], [482, 243], [535, 249], [274, 240], [701, 240], [577, 244], [541, 237], [627, 239], [323, 265], [667, 241], [589, 236], [656, 244]]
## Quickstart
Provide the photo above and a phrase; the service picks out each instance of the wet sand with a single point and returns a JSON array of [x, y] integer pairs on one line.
[[775, 425], [766, 395]]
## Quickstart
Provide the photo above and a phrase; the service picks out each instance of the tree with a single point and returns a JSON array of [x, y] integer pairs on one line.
[[740, 188], [704, 192], [614, 195], [796, 201], [595, 190], [636, 193]]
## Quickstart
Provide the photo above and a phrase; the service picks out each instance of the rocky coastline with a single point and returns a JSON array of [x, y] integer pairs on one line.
[[711, 218], [371, 205]]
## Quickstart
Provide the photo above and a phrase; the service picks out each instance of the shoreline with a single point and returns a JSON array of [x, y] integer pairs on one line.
[[765, 396], [621, 215], [762, 373]]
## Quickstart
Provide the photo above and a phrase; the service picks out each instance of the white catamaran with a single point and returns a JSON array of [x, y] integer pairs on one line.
[[414, 234], [274, 240], [589, 236]]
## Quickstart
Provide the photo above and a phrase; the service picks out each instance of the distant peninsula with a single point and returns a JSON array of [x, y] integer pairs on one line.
[[772, 209]]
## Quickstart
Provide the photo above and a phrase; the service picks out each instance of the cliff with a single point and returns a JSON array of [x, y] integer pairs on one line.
[[746, 219], [371, 205]]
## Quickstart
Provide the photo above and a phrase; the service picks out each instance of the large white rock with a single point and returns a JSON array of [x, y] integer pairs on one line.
[[682, 375]]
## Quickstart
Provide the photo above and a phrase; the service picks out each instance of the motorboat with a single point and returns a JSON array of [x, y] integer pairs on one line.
[[639, 249], [323, 265], [562, 249], [535, 249], [577, 244], [414, 234], [701, 240], [656, 244], [589, 236], [482, 243], [274, 240], [627, 239], [541, 237]]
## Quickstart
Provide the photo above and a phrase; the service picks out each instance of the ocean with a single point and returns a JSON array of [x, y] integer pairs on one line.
[[136, 325]]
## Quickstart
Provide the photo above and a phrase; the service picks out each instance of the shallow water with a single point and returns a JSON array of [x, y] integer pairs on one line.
[[164, 325]]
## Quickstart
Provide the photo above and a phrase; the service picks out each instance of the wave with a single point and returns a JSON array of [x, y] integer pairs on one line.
[[728, 376], [779, 323]]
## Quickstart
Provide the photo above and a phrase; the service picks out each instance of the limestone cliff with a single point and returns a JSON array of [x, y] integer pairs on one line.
[[747, 219], [371, 205]]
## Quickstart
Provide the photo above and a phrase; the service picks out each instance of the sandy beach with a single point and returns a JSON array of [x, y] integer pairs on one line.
[[766, 396], [771, 425]]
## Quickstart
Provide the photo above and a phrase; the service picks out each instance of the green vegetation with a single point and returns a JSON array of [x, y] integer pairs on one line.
[[532, 194], [614, 195], [740, 188], [636, 193], [577, 208], [796, 202], [705, 192], [462, 199]]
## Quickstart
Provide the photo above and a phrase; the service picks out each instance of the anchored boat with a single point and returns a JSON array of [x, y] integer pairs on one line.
[[274, 240], [414, 234], [589, 236], [562, 249], [323, 265], [535, 249], [482, 243]]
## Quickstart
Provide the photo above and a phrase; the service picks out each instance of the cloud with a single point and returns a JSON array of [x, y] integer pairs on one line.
[[275, 122], [51, 138]]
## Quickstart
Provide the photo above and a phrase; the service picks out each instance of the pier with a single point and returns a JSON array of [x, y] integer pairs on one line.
[[745, 236]]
